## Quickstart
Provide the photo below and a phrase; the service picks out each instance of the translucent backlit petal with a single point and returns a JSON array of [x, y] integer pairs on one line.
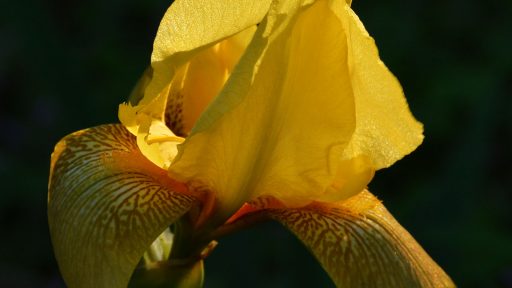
[[204, 76], [281, 123], [385, 128], [189, 26], [351, 178], [157, 142], [360, 244], [106, 204], [176, 108]]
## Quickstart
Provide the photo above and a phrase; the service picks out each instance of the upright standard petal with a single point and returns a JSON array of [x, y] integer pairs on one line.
[[281, 123], [187, 29], [385, 129], [360, 244], [106, 204]]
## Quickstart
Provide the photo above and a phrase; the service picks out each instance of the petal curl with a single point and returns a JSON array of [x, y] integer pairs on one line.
[[385, 129], [106, 204], [360, 244]]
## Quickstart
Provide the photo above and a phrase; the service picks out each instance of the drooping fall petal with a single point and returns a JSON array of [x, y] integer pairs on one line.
[[359, 244], [106, 204]]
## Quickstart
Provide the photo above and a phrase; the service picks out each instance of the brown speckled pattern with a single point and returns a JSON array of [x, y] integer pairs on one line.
[[174, 113]]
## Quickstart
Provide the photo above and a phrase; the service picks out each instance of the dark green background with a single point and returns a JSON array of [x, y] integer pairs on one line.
[[66, 65]]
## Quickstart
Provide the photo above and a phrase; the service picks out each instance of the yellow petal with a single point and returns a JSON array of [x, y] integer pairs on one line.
[[176, 108], [385, 128], [180, 85], [157, 142], [127, 112], [188, 27], [127, 115], [351, 178], [281, 123], [204, 76], [299, 110], [106, 204], [359, 244], [190, 24]]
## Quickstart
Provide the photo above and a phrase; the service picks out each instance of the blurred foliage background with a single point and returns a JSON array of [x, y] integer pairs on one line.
[[66, 65]]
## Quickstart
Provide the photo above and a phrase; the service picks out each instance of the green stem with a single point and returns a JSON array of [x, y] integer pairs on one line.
[[170, 276], [184, 268]]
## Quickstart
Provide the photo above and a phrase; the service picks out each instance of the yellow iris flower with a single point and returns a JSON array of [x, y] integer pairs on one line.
[[251, 110]]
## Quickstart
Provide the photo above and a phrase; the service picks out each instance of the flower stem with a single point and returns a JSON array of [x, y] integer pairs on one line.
[[244, 222]]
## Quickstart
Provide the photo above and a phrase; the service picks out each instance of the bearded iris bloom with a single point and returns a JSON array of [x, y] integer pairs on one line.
[[251, 110]]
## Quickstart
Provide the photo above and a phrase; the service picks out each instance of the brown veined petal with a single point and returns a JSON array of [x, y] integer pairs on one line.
[[106, 204], [360, 244]]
